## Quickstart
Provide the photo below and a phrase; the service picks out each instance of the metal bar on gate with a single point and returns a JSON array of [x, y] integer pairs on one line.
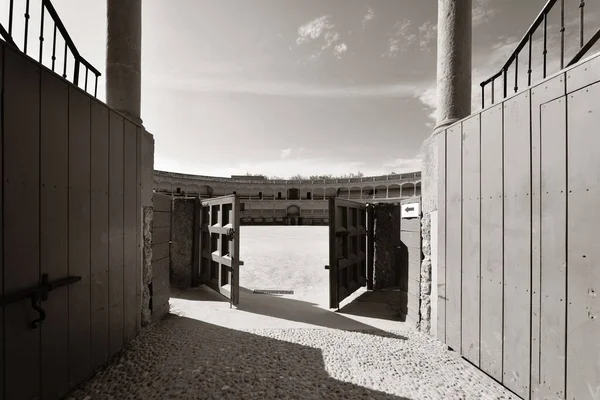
[[529, 70], [65, 63], [10, 17], [517, 73], [545, 52], [581, 21], [26, 26], [42, 34], [54, 48], [562, 34]]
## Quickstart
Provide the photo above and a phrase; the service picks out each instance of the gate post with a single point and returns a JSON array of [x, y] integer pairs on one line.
[[453, 61], [124, 56]]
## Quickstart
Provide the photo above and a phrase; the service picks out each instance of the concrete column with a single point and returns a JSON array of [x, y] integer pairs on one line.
[[454, 61], [124, 56]]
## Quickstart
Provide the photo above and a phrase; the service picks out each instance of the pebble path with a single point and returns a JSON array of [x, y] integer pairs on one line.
[[184, 358]]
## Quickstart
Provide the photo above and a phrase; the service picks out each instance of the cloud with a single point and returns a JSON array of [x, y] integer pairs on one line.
[[406, 37], [313, 29], [483, 12], [241, 85], [322, 30], [368, 17], [286, 153], [403, 165], [427, 35], [402, 38], [340, 49]]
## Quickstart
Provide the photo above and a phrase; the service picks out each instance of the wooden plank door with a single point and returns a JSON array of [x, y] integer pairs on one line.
[[347, 249], [218, 244]]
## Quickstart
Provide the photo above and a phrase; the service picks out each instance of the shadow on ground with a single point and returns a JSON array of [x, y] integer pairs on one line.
[[387, 304], [285, 308], [184, 358]]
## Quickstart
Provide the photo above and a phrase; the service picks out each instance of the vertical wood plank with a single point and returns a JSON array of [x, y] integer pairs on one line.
[[491, 242], [21, 222], [583, 255], [79, 236], [130, 211], [471, 239], [1, 229], [453, 236], [99, 234], [138, 224], [54, 231], [542, 93], [553, 250], [441, 259], [115, 269], [517, 244]]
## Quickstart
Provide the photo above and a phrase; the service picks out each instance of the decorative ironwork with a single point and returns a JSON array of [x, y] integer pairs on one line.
[[78, 60], [540, 21], [38, 294]]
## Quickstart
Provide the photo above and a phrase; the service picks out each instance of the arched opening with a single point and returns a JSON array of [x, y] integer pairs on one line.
[[408, 190], [368, 192], [394, 191], [381, 192], [355, 193], [293, 215]]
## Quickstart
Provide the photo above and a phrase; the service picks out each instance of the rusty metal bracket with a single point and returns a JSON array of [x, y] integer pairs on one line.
[[38, 295]]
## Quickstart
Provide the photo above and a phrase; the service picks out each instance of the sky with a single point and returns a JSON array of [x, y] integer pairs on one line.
[[286, 87]]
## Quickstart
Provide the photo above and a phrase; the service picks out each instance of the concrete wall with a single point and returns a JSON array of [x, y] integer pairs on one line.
[[182, 236], [517, 230]]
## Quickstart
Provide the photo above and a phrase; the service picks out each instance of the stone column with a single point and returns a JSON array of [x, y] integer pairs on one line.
[[453, 104], [453, 61], [124, 56]]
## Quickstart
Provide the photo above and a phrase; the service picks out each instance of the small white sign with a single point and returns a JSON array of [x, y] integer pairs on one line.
[[411, 210]]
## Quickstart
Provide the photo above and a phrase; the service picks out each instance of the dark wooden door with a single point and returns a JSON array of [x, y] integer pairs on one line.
[[347, 249], [218, 245]]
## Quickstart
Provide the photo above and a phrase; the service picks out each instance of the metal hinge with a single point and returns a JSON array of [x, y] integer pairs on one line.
[[38, 294], [230, 234]]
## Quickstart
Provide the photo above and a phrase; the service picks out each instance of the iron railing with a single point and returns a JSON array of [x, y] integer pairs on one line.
[[58, 28], [527, 40]]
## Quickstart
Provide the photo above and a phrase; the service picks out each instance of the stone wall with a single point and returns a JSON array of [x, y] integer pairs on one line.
[[429, 199], [147, 170], [182, 243]]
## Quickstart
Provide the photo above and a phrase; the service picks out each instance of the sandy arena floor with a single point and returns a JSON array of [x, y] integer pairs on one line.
[[285, 347]]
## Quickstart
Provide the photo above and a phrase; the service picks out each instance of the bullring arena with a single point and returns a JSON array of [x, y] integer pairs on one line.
[[289, 202]]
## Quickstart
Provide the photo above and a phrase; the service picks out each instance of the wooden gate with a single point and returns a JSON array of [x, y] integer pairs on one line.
[[347, 249], [70, 246], [217, 245]]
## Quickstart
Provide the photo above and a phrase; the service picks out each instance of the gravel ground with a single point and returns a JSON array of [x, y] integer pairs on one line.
[[284, 347], [185, 358]]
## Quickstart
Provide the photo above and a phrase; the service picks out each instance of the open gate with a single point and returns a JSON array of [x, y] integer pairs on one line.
[[347, 249], [217, 247]]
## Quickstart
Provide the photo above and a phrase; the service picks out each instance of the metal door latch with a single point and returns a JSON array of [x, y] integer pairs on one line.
[[38, 294]]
